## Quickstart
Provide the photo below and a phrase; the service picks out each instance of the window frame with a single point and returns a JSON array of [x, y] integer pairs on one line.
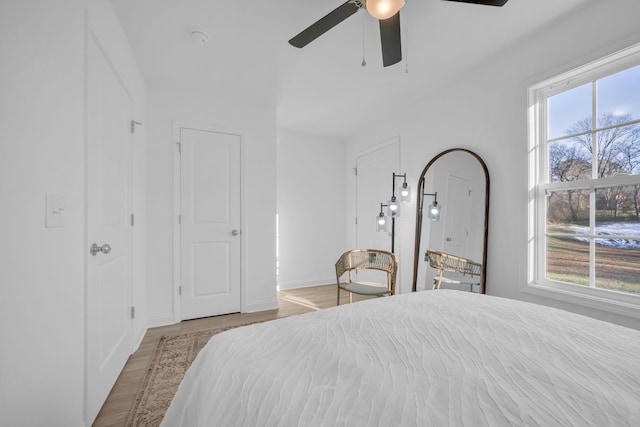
[[538, 184]]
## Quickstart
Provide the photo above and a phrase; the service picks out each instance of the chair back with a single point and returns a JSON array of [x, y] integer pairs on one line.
[[368, 259], [446, 262]]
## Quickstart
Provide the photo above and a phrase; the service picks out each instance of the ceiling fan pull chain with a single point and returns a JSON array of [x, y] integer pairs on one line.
[[364, 63], [406, 49]]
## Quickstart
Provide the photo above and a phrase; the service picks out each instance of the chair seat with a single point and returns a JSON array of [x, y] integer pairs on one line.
[[459, 279], [365, 288], [366, 259]]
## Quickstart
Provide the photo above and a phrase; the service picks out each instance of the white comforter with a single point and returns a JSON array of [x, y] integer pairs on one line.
[[433, 358]]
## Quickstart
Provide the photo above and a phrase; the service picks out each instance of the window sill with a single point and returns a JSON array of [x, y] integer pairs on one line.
[[611, 302]]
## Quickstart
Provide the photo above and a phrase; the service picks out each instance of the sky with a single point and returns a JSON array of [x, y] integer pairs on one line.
[[617, 94]]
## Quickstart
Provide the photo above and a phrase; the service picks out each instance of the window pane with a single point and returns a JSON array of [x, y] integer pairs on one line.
[[619, 96], [568, 212], [618, 210], [568, 260], [618, 265], [568, 110], [618, 150], [570, 160]]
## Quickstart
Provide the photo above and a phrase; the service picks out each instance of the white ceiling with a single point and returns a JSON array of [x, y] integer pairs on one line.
[[322, 88]]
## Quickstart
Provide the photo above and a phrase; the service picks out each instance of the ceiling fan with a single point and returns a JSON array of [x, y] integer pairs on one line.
[[388, 14]]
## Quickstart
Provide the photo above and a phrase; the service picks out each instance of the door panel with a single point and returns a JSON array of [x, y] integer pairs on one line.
[[109, 274], [210, 223], [208, 281], [456, 220], [373, 186]]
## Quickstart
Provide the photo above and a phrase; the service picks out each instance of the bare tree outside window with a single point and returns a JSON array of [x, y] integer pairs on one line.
[[614, 227]]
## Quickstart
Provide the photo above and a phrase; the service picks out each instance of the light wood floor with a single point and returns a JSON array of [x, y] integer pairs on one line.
[[115, 410]]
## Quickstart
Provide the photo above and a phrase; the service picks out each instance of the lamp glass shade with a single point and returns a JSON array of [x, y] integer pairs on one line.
[[434, 211], [394, 208], [405, 193], [381, 222], [383, 9]]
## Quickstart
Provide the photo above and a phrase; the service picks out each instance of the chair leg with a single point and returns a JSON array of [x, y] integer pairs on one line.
[[350, 297], [338, 295], [436, 282]]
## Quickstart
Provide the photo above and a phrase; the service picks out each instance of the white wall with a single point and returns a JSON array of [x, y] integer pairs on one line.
[[257, 125], [490, 118], [311, 193], [42, 150]]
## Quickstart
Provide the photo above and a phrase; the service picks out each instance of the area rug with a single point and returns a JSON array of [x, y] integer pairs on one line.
[[170, 361]]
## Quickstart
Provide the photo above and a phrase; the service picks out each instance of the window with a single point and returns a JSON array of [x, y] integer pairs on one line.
[[584, 183]]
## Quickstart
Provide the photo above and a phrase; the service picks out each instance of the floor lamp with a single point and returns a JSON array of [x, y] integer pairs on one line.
[[393, 206]]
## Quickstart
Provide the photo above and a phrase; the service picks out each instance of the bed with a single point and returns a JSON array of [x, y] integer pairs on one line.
[[432, 358]]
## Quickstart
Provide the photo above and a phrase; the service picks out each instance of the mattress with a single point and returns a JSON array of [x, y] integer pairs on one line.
[[432, 358]]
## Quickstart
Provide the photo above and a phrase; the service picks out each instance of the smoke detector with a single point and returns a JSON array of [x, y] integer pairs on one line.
[[199, 37]]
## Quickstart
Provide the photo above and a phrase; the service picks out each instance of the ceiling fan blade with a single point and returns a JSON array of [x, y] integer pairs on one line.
[[499, 3], [390, 38], [324, 24]]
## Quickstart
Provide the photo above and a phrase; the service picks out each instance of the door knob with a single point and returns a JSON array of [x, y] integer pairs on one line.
[[235, 232], [448, 239], [105, 249]]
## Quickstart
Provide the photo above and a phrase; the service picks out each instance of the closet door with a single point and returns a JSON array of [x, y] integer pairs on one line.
[[375, 169], [373, 186], [209, 223]]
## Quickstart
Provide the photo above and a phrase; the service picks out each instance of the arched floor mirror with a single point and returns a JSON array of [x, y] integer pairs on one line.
[[451, 234]]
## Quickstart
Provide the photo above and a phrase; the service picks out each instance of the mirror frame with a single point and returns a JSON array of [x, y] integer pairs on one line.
[[420, 195]]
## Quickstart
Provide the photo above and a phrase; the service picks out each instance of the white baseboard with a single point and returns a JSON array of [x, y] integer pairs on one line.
[[306, 284], [139, 338], [161, 321], [261, 306]]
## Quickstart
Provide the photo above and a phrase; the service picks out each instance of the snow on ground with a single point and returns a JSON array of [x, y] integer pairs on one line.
[[616, 234]]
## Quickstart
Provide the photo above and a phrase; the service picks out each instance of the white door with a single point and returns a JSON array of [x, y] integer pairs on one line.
[[374, 181], [456, 217], [373, 186], [209, 223], [109, 274]]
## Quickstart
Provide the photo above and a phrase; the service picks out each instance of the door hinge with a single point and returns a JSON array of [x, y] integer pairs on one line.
[[133, 312], [355, 171], [133, 126], [179, 219], [132, 220], [179, 147], [356, 220], [179, 290]]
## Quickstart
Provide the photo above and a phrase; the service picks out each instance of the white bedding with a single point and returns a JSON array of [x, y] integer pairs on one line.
[[433, 358]]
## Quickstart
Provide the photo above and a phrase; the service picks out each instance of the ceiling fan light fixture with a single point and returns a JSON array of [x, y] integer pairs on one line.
[[383, 9]]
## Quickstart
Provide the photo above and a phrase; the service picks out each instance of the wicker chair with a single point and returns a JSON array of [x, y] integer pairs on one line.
[[366, 259], [466, 272]]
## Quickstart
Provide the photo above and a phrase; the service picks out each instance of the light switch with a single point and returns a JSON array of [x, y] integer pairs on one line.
[[54, 207]]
